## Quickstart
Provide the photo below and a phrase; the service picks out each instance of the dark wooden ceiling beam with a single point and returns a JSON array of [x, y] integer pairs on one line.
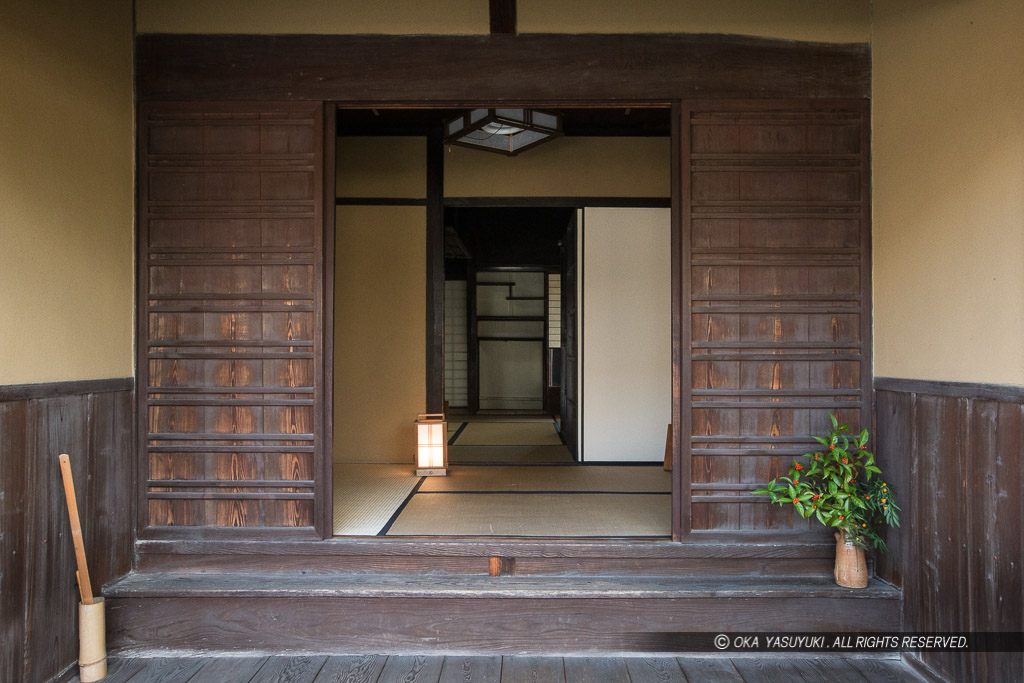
[[459, 70], [503, 16]]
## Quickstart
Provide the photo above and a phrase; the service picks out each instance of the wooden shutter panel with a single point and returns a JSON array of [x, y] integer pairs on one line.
[[230, 314], [776, 285]]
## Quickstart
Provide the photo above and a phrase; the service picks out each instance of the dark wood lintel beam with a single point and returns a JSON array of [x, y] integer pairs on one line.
[[538, 69]]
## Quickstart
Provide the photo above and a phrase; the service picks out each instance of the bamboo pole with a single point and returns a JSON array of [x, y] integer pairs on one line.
[[92, 629], [84, 585]]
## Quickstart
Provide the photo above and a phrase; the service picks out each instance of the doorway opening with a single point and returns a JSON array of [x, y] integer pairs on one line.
[[548, 257]]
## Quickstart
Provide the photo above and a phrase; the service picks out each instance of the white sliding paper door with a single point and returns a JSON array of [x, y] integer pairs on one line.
[[626, 333]]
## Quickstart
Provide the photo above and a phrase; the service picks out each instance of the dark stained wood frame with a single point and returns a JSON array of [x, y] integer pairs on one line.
[[435, 275], [680, 330], [324, 506], [573, 71]]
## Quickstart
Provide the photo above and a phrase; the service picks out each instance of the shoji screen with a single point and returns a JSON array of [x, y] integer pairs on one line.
[[627, 333]]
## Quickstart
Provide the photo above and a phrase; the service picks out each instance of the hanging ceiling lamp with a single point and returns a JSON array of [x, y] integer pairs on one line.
[[507, 131]]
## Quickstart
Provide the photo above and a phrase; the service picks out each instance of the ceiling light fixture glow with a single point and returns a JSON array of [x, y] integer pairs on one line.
[[506, 131]]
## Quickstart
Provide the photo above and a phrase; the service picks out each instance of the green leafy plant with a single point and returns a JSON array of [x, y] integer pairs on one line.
[[837, 485]]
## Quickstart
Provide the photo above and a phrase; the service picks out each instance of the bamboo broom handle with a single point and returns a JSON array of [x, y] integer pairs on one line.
[[84, 585]]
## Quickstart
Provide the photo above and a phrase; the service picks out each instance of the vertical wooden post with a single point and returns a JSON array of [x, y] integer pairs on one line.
[[435, 274], [668, 450]]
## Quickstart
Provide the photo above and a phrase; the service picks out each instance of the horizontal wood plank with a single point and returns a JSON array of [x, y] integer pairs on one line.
[[458, 69]]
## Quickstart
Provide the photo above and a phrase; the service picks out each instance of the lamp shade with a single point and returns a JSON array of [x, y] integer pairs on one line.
[[431, 445], [506, 131]]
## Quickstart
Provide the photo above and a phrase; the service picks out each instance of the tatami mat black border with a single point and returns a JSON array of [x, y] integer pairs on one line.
[[401, 508], [451, 441]]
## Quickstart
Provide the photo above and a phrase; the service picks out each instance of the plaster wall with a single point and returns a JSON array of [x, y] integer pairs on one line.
[[66, 179], [314, 16], [380, 338], [564, 167], [393, 166], [948, 228], [841, 21], [837, 21]]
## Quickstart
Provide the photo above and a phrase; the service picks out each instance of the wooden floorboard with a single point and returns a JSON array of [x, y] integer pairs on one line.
[[507, 669], [168, 670], [596, 670], [654, 670], [713, 670], [352, 669], [767, 669], [471, 669], [291, 669], [885, 670], [121, 670], [418, 669], [228, 670], [830, 670], [532, 670]]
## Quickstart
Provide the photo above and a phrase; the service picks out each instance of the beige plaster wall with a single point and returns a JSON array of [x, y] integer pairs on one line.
[[564, 167], [380, 335], [816, 20], [948, 147], [839, 21], [313, 16], [392, 166], [66, 183]]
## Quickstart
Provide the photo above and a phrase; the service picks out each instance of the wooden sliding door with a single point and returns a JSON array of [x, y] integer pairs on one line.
[[230, 316], [775, 298]]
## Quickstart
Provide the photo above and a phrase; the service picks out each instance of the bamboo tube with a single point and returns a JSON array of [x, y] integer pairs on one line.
[[92, 641]]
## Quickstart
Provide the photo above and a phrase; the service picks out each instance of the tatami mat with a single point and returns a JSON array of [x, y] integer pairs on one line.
[[366, 496], [536, 514], [508, 455], [500, 418], [547, 478], [509, 434]]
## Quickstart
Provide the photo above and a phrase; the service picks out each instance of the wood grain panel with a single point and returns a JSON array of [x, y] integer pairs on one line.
[[775, 259], [487, 626], [231, 272], [38, 595], [954, 454], [500, 68]]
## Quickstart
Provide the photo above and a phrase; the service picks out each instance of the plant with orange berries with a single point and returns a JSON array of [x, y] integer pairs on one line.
[[836, 486]]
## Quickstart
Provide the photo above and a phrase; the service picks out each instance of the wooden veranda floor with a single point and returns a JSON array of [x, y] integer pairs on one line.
[[508, 669]]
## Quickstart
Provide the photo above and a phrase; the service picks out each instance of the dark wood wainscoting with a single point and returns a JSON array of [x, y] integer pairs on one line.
[[91, 421], [954, 455]]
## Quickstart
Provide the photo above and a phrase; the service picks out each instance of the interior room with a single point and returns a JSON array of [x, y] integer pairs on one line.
[[556, 338]]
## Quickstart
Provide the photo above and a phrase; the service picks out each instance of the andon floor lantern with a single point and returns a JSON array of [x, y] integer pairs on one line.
[[431, 445]]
